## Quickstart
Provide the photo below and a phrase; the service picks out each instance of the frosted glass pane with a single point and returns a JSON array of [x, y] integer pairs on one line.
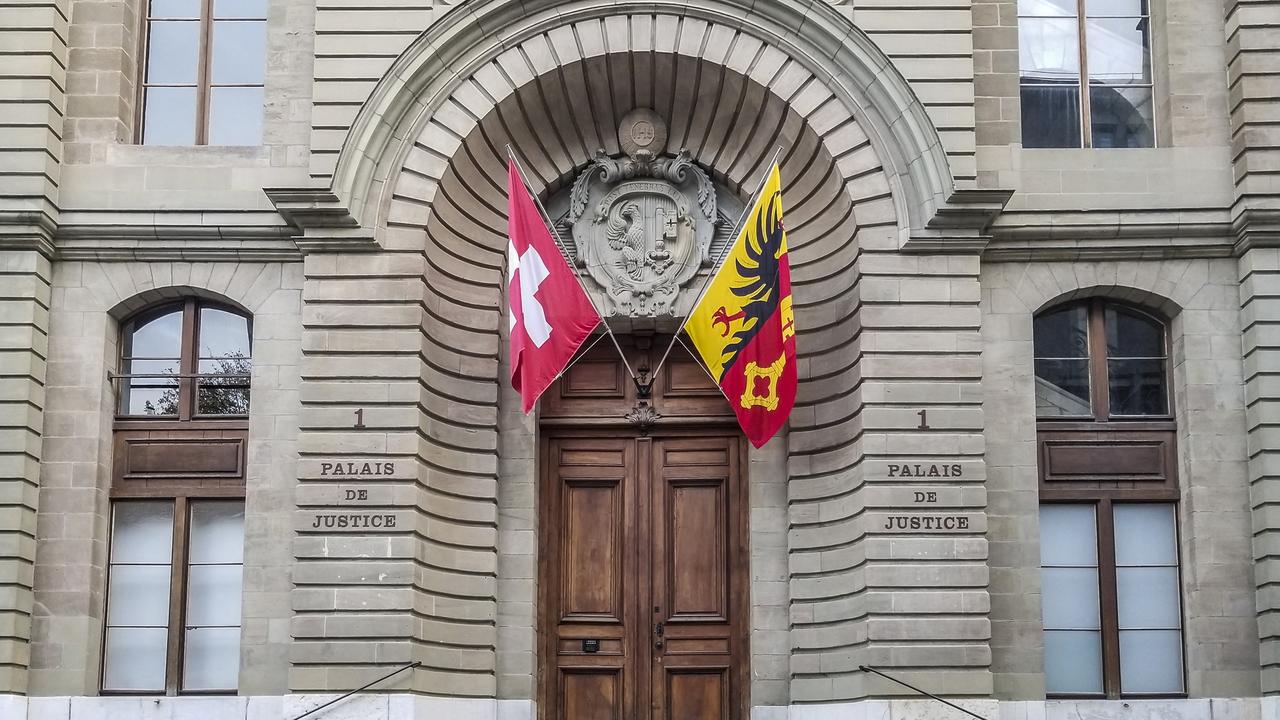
[[1069, 598], [1072, 662], [1148, 597], [235, 116], [217, 532], [134, 659], [142, 532], [239, 52], [213, 595], [139, 595], [212, 659], [1150, 661], [1067, 536], [1145, 535]]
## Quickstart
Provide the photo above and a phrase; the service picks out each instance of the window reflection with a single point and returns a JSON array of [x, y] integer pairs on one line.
[[193, 358], [224, 363], [1132, 364], [205, 72], [1062, 363], [1115, 68], [152, 356]]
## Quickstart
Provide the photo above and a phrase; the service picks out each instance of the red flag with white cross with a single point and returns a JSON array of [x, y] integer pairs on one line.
[[550, 314]]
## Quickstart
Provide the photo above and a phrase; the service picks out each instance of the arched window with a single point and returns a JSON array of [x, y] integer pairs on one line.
[[1101, 361], [1110, 597], [187, 360], [176, 549]]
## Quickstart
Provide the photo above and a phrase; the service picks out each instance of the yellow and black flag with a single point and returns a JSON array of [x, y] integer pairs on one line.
[[743, 327]]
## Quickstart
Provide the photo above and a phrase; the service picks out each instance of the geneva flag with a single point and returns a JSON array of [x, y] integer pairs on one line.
[[550, 314], [743, 327]]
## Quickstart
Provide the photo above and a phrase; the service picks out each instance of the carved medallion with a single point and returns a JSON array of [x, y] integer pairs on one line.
[[642, 225]]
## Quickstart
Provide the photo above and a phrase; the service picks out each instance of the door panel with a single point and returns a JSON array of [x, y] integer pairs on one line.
[[701, 694], [645, 556], [589, 575], [697, 569]]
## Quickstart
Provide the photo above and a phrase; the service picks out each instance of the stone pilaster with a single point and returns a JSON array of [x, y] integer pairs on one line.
[[32, 94], [411, 574], [24, 344], [353, 595], [887, 506], [1260, 322], [33, 90], [1255, 137]]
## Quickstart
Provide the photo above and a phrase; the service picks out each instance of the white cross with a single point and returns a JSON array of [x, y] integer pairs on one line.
[[532, 273]]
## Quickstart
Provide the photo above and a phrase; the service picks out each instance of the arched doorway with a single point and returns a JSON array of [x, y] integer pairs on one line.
[[642, 515]]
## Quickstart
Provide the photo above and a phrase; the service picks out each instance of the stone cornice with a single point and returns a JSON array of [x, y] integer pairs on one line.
[[1256, 228], [28, 230], [323, 221], [1126, 234], [961, 224]]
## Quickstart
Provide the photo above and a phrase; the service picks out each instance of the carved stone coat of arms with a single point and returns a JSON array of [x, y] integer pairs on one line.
[[642, 225]]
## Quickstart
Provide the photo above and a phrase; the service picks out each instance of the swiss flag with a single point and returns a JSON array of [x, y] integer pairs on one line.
[[550, 313]]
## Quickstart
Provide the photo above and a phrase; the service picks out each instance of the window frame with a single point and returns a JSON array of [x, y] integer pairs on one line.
[[188, 362], [204, 74], [1104, 489], [1100, 372], [1083, 84], [181, 495], [1103, 502]]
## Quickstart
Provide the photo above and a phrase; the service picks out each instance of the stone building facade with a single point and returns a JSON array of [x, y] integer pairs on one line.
[[896, 523]]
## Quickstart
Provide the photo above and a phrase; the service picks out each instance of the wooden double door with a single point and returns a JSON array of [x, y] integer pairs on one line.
[[643, 576]]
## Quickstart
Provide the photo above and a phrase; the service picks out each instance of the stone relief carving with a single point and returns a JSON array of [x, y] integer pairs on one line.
[[642, 225]]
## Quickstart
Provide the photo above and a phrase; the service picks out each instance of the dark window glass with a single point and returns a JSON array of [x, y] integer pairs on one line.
[[1121, 117], [1062, 362], [1132, 364], [1113, 61], [1050, 116], [1133, 335], [1136, 363]]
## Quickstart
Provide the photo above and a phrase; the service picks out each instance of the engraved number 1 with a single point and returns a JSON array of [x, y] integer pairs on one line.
[[924, 422], [360, 418]]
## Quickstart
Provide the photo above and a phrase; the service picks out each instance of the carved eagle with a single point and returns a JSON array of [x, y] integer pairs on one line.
[[625, 234]]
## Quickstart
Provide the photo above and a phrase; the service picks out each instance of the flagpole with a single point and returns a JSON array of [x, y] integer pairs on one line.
[[546, 218], [724, 249]]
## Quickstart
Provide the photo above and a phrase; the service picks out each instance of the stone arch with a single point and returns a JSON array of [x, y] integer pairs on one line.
[[447, 202], [1146, 299], [840, 72], [157, 296]]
